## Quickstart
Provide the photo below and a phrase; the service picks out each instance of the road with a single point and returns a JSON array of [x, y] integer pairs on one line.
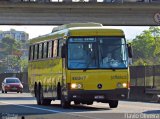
[[16, 106]]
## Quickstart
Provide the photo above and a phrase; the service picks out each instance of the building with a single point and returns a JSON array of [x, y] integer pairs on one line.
[[18, 35]]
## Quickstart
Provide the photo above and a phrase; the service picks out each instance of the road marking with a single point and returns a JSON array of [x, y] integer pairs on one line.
[[49, 110]]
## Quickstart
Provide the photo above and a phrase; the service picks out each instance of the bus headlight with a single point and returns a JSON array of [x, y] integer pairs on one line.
[[73, 85], [76, 86], [124, 85], [121, 85]]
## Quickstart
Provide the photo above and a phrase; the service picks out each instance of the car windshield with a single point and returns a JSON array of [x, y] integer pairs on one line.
[[97, 52], [12, 81]]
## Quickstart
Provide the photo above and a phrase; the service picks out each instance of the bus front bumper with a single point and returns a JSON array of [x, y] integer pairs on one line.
[[98, 95]]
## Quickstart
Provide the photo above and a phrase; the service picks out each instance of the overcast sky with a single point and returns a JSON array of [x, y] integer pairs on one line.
[[130, 31]]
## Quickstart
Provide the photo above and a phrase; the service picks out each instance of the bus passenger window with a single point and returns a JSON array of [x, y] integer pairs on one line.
[[55, 48], [50, 49], [30, 48], [45, 50], [40, 51], [60, 43], [35, 52]]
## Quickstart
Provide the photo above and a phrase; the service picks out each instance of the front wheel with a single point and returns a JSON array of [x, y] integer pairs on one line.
[[113, 103]]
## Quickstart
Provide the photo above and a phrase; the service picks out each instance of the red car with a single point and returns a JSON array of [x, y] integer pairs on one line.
[[12, 84]]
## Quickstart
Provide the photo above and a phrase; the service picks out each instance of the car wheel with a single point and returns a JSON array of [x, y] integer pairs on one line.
[[5, 91], [17, 91], [2, 91]]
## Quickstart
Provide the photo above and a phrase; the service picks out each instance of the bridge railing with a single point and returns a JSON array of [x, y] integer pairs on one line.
[[108, 1]]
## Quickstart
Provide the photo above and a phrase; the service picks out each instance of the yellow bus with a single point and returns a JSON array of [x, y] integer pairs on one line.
[[79, 62]]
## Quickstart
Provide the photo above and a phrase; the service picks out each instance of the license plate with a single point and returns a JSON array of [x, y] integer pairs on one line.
[[99, 97], [14, 88]]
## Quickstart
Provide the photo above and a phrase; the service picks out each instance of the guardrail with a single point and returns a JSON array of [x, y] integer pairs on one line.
[[108, 1]]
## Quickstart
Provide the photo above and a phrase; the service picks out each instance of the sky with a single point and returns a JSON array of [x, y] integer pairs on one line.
[[34, 31]]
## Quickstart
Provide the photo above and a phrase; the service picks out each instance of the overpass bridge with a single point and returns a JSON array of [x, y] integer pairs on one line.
[[56, 13]]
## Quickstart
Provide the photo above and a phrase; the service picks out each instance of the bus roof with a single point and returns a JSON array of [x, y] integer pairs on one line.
[[73, 30]]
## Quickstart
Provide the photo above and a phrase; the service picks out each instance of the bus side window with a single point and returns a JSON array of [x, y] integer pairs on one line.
[[60, 44], [55, 48], [40, 51], [50, 49], [30, 48], [45, 50], [35, 52], [47, 47]]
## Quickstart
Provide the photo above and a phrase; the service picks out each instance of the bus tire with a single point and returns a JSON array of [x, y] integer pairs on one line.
[[113, 103], [58, 91], [42, 100], [64, 102], [38, 95], [35, 89]]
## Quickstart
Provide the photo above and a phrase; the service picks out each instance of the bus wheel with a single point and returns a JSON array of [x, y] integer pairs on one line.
[[43, 101], [38, 95], [35, 89], [113, 103], [64, 102]]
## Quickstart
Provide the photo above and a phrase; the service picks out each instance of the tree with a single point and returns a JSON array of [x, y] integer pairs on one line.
[[146, 47], [8, 53]]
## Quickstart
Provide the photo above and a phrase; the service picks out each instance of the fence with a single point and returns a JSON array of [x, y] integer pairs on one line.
[[148, 76], [145, 83]]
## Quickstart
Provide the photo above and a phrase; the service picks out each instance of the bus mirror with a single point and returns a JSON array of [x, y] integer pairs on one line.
[[130, 51], [63, 51]]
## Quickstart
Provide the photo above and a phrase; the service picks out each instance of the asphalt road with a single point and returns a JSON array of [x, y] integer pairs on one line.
[[17, 106]]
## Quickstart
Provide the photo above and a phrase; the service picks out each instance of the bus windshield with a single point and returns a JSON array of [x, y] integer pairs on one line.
[[97, 52]]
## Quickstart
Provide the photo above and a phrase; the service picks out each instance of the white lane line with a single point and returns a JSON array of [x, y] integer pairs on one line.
[[20, 105], [48, 110]]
